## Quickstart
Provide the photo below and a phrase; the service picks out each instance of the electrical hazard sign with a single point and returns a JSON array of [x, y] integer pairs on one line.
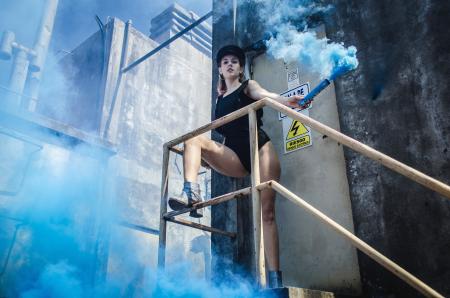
[[297, 129], [296, 134]]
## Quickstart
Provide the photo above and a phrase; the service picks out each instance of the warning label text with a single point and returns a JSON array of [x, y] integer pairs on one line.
[[298, 143]]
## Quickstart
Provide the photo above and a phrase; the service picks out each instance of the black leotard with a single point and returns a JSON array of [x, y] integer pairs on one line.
[[236, 132]]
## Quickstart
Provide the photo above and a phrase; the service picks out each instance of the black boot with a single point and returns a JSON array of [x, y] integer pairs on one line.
[[190, 195], [275, 279]]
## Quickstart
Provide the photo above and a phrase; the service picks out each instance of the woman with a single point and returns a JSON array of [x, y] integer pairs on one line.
[[233, 157]]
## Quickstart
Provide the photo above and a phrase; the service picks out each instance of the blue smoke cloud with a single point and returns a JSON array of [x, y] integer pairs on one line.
[[287, 21], [177, 282], [62, 213], [58, 210], [58, 280], [55, 203]]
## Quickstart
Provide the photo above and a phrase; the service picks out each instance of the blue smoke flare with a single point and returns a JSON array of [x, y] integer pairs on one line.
[[329, 60], [290, 39], [343, 64], [313, 93]]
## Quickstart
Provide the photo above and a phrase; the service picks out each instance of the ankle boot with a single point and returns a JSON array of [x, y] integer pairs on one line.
[[189, 195], [275, 279]]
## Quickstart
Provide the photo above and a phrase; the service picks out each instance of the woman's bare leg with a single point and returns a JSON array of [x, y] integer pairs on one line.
[[226, 162], [218, 156], [270, 170], [192, 159]]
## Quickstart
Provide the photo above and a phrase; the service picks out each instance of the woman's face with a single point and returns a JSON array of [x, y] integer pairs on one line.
[[230, 67]]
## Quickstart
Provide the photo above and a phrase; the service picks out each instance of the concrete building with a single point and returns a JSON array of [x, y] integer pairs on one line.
[[176, 18], [396, 101], [129, 115]]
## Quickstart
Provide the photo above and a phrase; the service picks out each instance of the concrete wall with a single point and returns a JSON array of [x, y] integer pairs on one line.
[[398, 102], [71, 90], [156, 102], [310, 252]]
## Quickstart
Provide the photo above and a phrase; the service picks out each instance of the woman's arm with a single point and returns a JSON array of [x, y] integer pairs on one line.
[[255, 91]]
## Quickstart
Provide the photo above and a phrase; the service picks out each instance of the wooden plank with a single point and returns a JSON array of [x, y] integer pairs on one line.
[[219, 122], [361, 245], [258, 236], [163, 210], [264, 185], [200, 226], [385, 160], [217, 200]]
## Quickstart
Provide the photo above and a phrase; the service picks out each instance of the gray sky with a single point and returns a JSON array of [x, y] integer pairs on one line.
[[75, 19]]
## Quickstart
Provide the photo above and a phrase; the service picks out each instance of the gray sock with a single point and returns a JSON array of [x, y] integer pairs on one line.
[[191, 187]]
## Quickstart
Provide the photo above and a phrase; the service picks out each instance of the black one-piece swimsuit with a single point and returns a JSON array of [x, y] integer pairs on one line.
[[236, 132]]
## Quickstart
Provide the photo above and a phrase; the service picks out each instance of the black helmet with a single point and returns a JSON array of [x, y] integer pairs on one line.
[[231, 50]]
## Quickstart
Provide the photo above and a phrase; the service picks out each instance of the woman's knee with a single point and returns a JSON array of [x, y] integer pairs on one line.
[[198, 141], [268, 214]]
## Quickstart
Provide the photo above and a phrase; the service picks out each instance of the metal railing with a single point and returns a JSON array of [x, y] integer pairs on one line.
[[256, 187]]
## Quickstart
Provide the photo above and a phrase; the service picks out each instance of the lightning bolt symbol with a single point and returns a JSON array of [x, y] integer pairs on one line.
[[295, 127]]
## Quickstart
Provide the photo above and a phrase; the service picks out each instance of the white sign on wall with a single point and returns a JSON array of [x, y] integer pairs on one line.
[[299, 90], [296, 135], [293, 78]]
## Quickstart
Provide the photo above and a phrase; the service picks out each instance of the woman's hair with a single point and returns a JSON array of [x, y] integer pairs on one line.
[[222, 86]]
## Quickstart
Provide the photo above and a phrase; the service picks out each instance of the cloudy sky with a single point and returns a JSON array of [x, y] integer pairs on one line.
[[75, 19]]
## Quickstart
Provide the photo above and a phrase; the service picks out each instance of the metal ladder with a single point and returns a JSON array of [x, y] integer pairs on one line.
[[257, 186]]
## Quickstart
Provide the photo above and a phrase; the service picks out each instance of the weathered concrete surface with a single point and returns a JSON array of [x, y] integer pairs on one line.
[[72, 87], [155, 103], [310, 252], [397, 101]]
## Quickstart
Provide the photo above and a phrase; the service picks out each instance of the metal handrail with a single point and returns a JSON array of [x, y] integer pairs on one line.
[[258, 252]]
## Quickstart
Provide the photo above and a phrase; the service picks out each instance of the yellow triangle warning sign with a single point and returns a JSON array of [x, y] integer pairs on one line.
[[297, 129]]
